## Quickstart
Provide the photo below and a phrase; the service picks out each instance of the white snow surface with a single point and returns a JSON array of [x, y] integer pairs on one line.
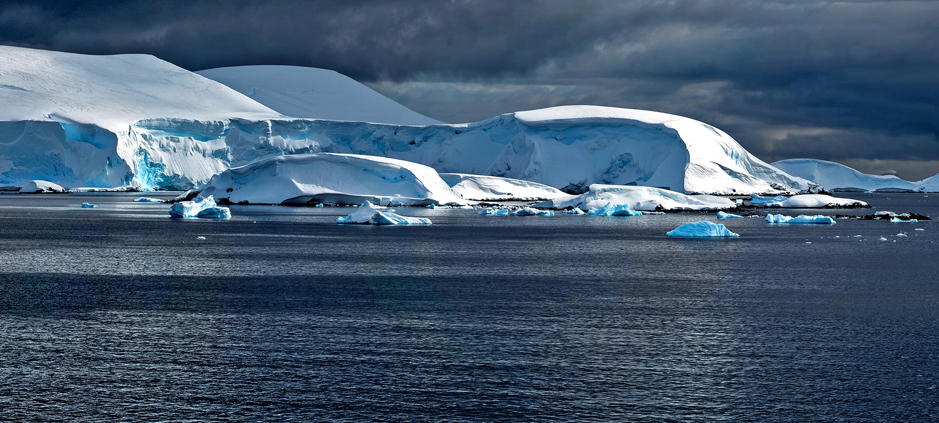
[[818, 219], [805, 201], [312, 93], [637, 198], [838, 177], [132, 120], [369, 214], [702, 229], [333, 179], [40, 186], [494, 188]]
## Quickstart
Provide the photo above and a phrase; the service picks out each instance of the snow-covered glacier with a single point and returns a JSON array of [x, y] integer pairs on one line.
[[132, 120], [838, 177]]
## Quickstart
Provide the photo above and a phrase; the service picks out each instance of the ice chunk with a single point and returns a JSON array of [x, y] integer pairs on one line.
[[899, 220], [613, 210], [818, 219], [368, 214], [805, 201], [920, 229], [204, 207], [494, 212], [725, 215], [756, 200], [883, 239], [901, 234], [574, 210], [200, 237], [88, 206], [528, 211], [33, 187], [703, 229], [148, 200]]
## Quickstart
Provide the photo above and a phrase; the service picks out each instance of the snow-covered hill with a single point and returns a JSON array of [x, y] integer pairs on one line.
[[105, 121], [838, 177], [313, 93], [494, 188]]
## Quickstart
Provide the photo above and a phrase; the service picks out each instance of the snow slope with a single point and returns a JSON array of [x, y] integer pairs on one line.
[[494, 188], [106, 121], [838, 177], [313, 93], [637, 198], [333, 179]]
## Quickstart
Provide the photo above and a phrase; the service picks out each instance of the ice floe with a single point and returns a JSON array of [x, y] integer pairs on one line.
[[613, 210], [148, 200], [204, 207], [725, 215], [801, 219], [89, 206]]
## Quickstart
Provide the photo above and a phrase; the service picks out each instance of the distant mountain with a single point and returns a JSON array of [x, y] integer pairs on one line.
[[312, 93]]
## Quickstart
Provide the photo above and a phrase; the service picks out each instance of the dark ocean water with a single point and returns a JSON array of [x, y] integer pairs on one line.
[[121, 314]]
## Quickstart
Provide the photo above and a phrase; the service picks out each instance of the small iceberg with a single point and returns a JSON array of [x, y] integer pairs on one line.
[[614, 210], [883, 239], [756, 200], [574, 210], [803, 219], [148, 200], [920, 229], [367, 214], [703, 229], [901, 234], [89, 206], [200, 207], [528, 211], [896, 219], [494, 212], [725, 215]]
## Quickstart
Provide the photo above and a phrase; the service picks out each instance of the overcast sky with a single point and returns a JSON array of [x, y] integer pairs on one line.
[[856, 83]]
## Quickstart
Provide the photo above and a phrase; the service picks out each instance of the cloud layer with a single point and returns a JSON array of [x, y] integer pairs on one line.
[[851, 82]]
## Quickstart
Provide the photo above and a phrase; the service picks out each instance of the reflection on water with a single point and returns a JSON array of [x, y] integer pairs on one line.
[[121, 313]]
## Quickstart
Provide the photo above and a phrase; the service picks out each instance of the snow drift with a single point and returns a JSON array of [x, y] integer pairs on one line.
[[332, 179], [313, 93]]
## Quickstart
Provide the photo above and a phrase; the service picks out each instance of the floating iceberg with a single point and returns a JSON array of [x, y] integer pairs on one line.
[[920, 229], [494, 188], [702, 229], [901, 234], [818, 219], [494, 212], [35, 187], [333, 179], [896, 219], [613, 210], [89, 206], [148, 200], [725, 215], [368, 214], [204, 207], [805, 201], [574, 210]]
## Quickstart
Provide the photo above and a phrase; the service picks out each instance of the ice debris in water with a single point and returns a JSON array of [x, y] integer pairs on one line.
[[88, 206], [702, 229], [901, 234], [883, 239], [920, 229], [614, 210], [725, 215], [528, 211], [200, 207], [148, 200], [899, 220], [818, 219], [368, 214], [756, 200], [200, 237], [494, 212], [574, 210]]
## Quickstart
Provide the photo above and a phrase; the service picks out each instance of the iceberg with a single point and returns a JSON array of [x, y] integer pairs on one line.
[[494, 188], [702, 229], [725, 215], [574, 210], [89, 206], [148, 200], [805, 201], [332, 179], [35, 187], [637, 198], [368, 214], [528, 211], [494, 212], [204, 207], [613, 210], [896, 219], [818, 219]]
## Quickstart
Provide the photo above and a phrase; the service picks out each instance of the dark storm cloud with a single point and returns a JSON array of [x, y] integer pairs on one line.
[[832, 80]]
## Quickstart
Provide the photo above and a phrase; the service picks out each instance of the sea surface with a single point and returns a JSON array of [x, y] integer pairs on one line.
[[120, 313]]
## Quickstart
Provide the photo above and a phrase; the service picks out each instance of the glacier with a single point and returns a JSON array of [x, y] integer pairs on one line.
[[702, 229], [313, 93], [637, 198], [137, 121], [368, 214], [838, 177], [331, 178]]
